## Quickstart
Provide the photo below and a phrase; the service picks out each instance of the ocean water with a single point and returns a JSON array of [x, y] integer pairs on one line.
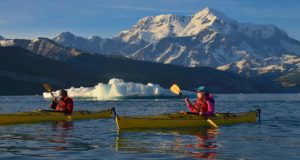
[[277, 136]]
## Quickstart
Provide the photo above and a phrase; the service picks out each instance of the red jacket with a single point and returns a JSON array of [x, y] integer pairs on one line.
[[207, 107], [64, 105]]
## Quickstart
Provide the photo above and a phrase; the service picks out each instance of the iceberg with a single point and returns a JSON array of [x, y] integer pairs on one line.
[[118, 89]]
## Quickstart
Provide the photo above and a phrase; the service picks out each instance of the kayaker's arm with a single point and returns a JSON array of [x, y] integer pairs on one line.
[[191, 107], [188, 103]]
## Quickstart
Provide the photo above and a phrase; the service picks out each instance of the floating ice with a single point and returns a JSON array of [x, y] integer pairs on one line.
[[117, 89]]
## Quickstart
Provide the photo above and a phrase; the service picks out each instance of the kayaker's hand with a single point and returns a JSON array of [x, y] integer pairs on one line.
[[200, 113], [182, 112]]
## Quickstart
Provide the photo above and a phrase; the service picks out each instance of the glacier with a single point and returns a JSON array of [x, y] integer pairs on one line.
[[119, 89]]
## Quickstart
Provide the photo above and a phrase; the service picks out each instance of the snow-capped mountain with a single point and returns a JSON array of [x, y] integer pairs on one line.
[[207, 38], [43, 46], [93, 44], [96, 44]]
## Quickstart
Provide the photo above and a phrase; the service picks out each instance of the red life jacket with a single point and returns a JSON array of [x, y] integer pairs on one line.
[[201, 105], [64, 105]]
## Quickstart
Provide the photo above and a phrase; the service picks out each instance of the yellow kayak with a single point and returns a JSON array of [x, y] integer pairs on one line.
[[179, 120], [46, 115]]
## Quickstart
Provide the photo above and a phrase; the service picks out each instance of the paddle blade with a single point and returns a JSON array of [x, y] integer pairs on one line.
[[47, 87], [175, 89], [211, 123]]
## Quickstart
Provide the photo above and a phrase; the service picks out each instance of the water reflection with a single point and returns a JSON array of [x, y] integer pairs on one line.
[[204, 146], [62, 125], [60, 137], [185, 142]]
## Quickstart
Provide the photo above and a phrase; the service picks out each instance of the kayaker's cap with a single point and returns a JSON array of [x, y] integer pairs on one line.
[[201, 89]]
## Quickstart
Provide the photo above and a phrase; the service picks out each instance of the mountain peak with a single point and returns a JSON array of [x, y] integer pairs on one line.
[[207, 11], [211, 14], [152, 28], [63, 36], [66, 34]]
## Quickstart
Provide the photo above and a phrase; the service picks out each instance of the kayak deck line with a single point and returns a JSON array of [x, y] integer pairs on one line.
[[179, 120], [49, 115]]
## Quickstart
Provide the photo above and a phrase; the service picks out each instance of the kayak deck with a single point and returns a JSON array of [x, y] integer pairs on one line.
[[179, 120], [45, 115]]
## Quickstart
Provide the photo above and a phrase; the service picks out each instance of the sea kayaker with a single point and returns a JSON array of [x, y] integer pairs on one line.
[[65, 104], [205, 103]]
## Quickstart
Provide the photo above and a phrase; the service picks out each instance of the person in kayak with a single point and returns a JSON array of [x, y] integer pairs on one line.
[[65, 104], [205, 103]]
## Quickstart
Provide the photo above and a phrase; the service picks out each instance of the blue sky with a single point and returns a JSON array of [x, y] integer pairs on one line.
[[47, 18]]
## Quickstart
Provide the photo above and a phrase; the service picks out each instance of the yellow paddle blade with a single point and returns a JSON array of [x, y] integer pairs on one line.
[[212, 123], [47, 87], [175, 89]]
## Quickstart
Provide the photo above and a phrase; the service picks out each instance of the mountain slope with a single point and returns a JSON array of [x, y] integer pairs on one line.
[[44, 47], [96, 44], [23, 72], [290, 80], [283, 64]]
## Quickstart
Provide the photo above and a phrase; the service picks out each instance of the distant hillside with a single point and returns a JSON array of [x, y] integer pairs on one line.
[[23, 72]]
